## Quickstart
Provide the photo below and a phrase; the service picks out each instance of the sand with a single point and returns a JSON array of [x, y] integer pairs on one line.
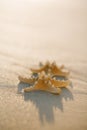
[[34, 31]]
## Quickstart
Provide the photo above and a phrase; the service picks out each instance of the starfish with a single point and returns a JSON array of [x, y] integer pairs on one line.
[[44, 81], [53, 69], [43, 84]]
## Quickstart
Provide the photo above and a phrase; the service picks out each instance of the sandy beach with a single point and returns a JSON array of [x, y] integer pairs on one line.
[[39, 30]]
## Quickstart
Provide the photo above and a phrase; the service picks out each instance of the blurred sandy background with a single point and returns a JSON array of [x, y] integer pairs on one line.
[[40, 30]]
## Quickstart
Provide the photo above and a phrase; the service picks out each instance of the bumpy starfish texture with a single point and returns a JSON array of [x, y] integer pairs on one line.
[[46, 79]]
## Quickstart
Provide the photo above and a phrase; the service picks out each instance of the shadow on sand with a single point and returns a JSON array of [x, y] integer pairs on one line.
[[46, 102]]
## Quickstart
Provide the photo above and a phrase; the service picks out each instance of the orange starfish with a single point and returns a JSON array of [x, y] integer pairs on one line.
[[53, 69], [43, 84]]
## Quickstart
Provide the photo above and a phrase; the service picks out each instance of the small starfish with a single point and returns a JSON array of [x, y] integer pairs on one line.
[[53, 69], [43, 84]]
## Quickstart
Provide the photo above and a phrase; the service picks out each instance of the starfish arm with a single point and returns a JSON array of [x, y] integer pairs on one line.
[[26, 80], [64, 74], [62, 67], [59, 84], [29, 89], [53, 90], [55, 70], [43, 68]]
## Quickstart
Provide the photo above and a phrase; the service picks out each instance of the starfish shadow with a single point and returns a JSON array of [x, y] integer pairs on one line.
[[46, 102]]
